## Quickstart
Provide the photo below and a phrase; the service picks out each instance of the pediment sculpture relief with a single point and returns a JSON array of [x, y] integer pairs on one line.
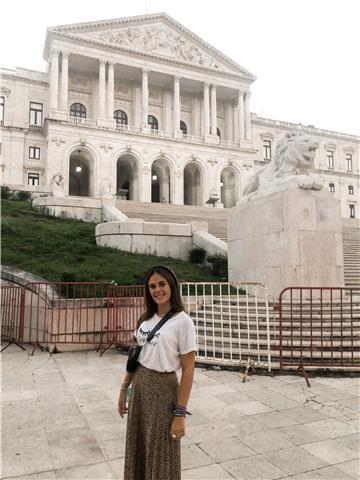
[[160, 40]]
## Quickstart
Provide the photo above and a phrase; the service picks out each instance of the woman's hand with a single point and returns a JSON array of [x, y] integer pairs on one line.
[[122, 403], [177, 428]]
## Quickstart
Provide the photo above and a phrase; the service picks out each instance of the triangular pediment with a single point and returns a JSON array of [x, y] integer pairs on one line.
[[155, 35]]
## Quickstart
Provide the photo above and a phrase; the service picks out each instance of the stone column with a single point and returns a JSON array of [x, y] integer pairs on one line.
[[206, 110], [101, 112], [64, 80], [110, 91], [145, 99], [229, 122], [177, 130], [213, 111], [54, 79], [241, 115], [196, 116], [247, 115], [167, 111]]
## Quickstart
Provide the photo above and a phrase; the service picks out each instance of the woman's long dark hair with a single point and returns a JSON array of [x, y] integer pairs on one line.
[[150, 305]]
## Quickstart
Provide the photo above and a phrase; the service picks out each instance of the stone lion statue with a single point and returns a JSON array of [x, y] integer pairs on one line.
[[293, 161]]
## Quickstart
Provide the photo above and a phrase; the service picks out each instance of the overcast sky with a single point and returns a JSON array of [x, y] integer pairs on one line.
[[304, 53]]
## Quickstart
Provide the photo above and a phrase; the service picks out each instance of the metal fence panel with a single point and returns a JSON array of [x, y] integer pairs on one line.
[[319, 327], [232, 322]]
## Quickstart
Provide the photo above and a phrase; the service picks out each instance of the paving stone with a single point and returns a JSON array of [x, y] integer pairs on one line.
[[351, 468], [302, 434], [268, 441], [117, 467], [304, 414], [113, 448], [49, 475], [252, 408], [332, 428], [252, 468], [327, 473], [192, 456], [209, 472], [227, 449], [219, 430], [88, 472], [351, 441], [331, 452], [295, 460]]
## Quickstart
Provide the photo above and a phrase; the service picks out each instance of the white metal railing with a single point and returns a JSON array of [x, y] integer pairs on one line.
[[232, 322], [86, 122], [89, 122]]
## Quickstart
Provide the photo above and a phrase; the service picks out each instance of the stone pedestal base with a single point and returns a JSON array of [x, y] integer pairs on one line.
[[287, 238], [106, 122]]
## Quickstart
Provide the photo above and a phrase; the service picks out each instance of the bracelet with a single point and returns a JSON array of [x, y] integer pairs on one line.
[[179, 410]]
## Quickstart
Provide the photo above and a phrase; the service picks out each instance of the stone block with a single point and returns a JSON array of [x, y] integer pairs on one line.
[[143, 244], [182, 229], [107, 228], [287, 238], [156, 228], [131, 227]]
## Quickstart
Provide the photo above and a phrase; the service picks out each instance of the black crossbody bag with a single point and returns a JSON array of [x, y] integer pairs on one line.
[[134, 351]]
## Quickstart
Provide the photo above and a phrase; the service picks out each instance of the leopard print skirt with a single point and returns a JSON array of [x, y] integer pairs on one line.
[[151, 454]]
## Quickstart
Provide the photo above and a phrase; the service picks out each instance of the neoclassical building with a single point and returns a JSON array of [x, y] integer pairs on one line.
[[142, 108]]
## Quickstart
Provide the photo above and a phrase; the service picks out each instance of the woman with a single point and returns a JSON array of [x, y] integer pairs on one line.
[[157, 409]]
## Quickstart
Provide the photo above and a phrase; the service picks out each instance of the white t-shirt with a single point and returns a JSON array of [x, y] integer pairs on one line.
[[173, 339]]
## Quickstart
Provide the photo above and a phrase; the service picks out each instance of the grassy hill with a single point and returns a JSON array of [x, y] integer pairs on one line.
[[65, 250]]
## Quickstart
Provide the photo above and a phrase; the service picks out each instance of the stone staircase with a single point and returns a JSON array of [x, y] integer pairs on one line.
[[233, 335], [217, 221], [168, 213], [351, 245]]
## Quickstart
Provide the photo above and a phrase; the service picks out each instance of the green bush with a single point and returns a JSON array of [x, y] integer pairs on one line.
[[219, 265], [197, 255], [22, 195], [5, 192]]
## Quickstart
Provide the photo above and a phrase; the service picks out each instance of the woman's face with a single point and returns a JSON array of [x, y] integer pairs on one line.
[[160, 290]]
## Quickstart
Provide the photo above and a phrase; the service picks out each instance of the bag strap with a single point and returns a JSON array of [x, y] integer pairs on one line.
[[159, 325]]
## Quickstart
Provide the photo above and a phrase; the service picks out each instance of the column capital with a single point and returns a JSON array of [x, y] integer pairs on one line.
[[214, 85], [248, 93], [65, 53], [112, 62], [102, 61], [206, 84], [54, 52], [146, 70], [177, 78]]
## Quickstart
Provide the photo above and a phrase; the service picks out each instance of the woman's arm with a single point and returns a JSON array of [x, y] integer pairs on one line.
[[123, 392], [187, 377]]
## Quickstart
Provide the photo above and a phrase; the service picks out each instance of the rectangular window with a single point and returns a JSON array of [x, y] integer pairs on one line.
[[330, 158], [267, 149], [33, 179], [351, 190], [349, 165], [36, 114], [332, 187], [352, 210], [2, 110], [34, 153]]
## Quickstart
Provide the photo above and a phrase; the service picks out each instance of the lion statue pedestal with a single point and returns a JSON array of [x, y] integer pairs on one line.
[[292, 237], [287, 231]]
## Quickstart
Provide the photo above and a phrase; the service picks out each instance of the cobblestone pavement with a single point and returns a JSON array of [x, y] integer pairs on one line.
[[59, 421]]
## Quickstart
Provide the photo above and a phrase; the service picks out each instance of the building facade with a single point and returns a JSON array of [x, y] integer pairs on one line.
[[143, 109]]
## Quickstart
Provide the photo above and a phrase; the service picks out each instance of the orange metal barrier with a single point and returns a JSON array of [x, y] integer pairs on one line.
[[319, 327], [12, 315]]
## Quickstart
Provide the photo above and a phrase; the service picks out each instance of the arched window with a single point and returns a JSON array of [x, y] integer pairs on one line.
[[120, 117], [152, 121], [78, 110], [218, 132], [183, 127]]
